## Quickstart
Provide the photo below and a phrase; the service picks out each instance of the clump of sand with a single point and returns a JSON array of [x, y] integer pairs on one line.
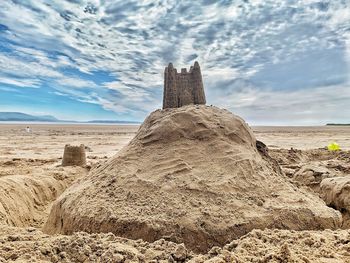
[[310, 167], [336, 193], [273, 246], [191, 175], [31, 245]]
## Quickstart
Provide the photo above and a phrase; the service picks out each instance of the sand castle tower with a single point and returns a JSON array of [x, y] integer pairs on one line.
[[74, 155], [183, 88]]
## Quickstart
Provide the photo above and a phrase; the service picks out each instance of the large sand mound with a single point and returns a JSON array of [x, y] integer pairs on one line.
[[191, 175]]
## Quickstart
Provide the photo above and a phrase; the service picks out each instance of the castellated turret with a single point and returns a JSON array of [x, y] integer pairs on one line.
[[183, 88]]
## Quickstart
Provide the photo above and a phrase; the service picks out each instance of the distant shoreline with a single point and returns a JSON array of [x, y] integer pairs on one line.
[[338, 124], [28, 123], [24, 118]]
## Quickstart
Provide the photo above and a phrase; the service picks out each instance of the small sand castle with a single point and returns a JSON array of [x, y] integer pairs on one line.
[[74, 155], [183, 88]]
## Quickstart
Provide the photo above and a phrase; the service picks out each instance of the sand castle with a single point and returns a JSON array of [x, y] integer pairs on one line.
[[193, 174], [74, 155], [183, 88]]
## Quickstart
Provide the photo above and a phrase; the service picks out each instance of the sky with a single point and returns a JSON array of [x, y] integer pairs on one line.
[[271, 62]]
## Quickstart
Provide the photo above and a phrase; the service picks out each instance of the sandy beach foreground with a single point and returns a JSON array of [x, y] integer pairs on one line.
[[32, 178], [47, 140]]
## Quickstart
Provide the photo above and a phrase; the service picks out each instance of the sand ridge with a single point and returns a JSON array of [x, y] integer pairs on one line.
[[26, 195]]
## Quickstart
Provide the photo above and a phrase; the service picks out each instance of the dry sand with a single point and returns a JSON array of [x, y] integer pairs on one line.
[[303, 138], [31, 178], [48, 140], [274, 246], [30, 173]]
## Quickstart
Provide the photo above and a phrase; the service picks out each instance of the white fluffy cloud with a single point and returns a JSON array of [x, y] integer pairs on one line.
[[243, 41]]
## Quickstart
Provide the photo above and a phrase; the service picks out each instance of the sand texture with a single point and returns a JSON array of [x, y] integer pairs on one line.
[[336, 192], [47, 141], [32, 177], [29, 187], [191, 175], [273, 246], [303, 137]]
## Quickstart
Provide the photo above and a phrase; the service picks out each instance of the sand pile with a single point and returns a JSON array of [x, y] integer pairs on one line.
[[31, 245], [294, 158], [324, 172], [191, 175], [276, 246], [310, 167], [273, 246], [25, 199]]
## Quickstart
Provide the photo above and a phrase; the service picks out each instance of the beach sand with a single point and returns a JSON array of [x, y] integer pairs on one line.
[[303, 137], [48, 140], [31, 178]]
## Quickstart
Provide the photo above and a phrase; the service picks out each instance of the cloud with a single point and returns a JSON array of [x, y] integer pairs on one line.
[[31, 83], [269, 46], [131, 93], [19, 67], [76, 82], [313, 106]]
